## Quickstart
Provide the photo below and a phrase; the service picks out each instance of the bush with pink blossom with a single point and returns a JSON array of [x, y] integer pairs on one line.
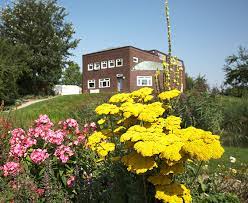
[[52, 156]]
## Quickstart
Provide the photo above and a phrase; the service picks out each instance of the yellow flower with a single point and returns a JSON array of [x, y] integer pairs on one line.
[[172, 123], [101, 121], [107, 109], [137, 163], [160, 180], [104, 148], [173, 193], [120, 98], [95, 138], [167, 95], [177, 168]]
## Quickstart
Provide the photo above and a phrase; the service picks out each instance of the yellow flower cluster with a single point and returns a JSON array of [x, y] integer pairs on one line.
[[167, 95], [173, 193], [137, 163], [151, 141], [107, 109], [97, 142]]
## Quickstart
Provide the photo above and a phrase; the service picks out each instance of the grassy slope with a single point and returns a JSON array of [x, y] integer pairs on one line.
[[57, 109]]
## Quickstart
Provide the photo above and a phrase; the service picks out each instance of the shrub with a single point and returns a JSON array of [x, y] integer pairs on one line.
[[140, 130]]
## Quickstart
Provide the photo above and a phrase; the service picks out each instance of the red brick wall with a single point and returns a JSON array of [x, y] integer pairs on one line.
[[109, 72]]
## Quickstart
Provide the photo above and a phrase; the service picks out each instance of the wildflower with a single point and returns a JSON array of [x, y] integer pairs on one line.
[[167, 95], [101, 121], [39, 155], [232, 159], [107, 109], [71, 181], [40, 191], [70, 124], [63, 153], [44, 121], [10, 168], [234, 171], [120, 98], [56, 137]]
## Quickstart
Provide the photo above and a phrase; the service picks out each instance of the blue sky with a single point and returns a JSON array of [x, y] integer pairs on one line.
[[204, 32]]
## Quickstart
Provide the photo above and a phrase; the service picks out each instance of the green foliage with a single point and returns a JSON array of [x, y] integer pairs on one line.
[[12, 66], [236, 73], [200, 84], [72, 75], [80, 107], [200, 110], [235, 122], [189, 82], [41, 26], [217, 198]]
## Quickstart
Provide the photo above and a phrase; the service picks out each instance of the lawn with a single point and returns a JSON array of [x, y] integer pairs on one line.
[[80, 107]]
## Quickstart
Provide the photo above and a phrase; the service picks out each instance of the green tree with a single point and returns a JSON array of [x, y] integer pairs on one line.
[[41, 26], [200, 84], [72, 75], [12, 66], [236, 72], [189, 82]]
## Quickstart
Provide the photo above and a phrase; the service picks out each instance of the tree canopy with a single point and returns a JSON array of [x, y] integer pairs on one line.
[[236, 71], [72, 75], [40, 25]]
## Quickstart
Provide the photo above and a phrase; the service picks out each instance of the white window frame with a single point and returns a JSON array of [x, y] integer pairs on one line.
[[101, 81], [90, 66], [91, 81], [97, 66], [141, 78], [109, 63], [135, 59], [104, 64], [119, 60]]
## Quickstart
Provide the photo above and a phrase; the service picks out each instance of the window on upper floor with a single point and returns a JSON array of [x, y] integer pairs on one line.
[[90, 66], [105, 82], [91, 84], [119, 62], [97, 66], [104, 64], [111, 63], [135, 60], [144, 81]]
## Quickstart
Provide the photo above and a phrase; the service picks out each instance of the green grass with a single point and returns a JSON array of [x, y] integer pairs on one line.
[[239, 153], [58, 108]]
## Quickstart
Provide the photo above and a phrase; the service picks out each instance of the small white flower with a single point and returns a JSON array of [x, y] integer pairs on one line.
[[232, 159]]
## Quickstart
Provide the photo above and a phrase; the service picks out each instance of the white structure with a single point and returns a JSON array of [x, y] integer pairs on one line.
[[67, 89]]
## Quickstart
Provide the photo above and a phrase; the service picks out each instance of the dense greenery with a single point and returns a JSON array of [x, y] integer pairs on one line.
[[72, 75], [236, 73], [12, 67], [41, 27]]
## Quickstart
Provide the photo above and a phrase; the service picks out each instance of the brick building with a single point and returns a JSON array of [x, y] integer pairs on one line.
[[123, 69]]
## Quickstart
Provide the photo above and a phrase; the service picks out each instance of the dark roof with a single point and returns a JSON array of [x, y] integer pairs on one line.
[[132, 47]]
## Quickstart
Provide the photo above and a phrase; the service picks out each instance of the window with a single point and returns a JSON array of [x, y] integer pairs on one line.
[[91, 84], [97, 66], [90, 66], [103, 83], [111, 63], [144, 80], [135, 60], [119, 62], [104, 64]]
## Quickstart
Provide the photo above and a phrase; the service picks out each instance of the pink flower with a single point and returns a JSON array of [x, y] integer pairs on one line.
[[56, 137], [63, 153], [70, 181], [69, 124], [39, 155], [10, 168], [18, 135], [43, 121], [93, 125], [40, 192], [17, 150]]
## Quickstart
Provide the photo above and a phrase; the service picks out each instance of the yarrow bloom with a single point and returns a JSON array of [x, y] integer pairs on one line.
[[10, 168], [63, 153], [71, 181], [39, 155]]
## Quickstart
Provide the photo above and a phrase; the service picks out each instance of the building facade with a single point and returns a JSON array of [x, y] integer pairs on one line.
[[123, 69]]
